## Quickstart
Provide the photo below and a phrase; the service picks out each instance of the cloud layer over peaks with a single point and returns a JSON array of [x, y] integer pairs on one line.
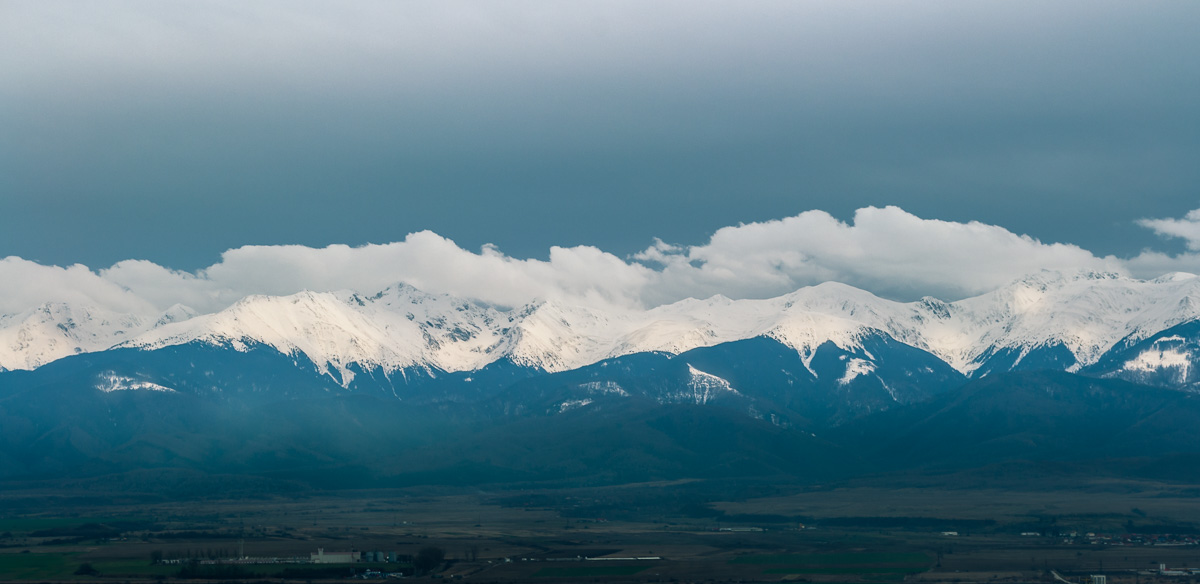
[[887, 251]]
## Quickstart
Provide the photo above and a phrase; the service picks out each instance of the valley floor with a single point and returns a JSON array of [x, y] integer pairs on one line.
[[681, 531]]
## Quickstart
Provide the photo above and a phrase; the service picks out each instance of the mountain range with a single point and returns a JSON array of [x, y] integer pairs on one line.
[[814, 381], [1048, 320]]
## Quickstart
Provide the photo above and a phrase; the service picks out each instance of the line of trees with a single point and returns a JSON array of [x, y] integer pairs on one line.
[[157, 556], [428, 558]]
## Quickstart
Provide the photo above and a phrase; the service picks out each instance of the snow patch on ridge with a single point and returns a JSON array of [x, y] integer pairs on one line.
[[705, 387], [109, 382], [604, 388], [1153, 360], [573, 404], [856, 368]]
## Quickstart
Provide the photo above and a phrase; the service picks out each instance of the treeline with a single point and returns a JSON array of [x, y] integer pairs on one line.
[[85, 531], [920, 523], [196, 571], [157, 556], [192, 535]]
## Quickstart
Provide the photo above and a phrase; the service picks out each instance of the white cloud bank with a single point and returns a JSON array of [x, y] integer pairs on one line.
[[884, 250], [887, 251], [1187, 228]]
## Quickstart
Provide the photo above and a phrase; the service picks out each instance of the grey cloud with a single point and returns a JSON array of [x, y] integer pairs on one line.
[[529, 124]]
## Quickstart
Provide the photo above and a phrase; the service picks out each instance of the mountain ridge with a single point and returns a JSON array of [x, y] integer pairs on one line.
[[1064, 321]]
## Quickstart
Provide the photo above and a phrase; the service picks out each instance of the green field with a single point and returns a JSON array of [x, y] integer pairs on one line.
[[839, 564], [26, 524], [834, 559], [586, 571], [845, 570], [39, 566], [18, 525], [62, 566], [132, 568]]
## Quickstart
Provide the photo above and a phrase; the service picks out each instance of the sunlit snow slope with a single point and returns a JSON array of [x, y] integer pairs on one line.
[[1068, 321]]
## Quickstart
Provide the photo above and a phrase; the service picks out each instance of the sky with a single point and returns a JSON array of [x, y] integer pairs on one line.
[[633, 152]]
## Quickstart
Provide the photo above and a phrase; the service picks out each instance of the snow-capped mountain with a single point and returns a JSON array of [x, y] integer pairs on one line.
[[399, 328], [1049, 320], [55, 330], [321, 378], [1086, 314]]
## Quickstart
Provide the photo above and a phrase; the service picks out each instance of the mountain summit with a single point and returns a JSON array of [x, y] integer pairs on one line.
[[1076, 322]]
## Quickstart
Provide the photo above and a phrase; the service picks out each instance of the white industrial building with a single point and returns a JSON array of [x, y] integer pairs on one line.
[[323, 557]]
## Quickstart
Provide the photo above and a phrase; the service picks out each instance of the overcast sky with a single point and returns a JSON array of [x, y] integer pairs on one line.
[[174, 131]]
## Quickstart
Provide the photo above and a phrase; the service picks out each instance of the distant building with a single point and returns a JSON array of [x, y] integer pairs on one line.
[[323, 557], [1164, 571], [1098, 579]]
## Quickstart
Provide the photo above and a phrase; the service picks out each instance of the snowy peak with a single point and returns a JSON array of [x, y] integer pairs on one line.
[[176, 313], [1046, 320], [1173, 277], [556, 337], [441, 331], [55, 330], [321, 326], [1087, 313]]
